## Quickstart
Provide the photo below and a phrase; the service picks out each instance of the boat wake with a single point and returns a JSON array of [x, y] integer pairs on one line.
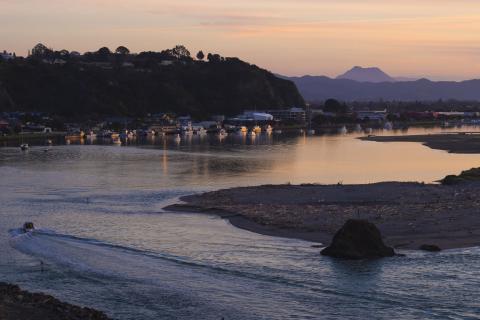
[[176, 276]]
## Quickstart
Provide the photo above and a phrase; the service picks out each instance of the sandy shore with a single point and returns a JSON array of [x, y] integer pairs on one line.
[[453, 142], [408, 214], [16, 304]]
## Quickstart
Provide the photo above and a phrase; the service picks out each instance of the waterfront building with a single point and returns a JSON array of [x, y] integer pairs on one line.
[[292, 114], [372, 115]]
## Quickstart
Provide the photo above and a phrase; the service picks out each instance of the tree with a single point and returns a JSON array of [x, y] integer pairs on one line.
[[180, 52], [214, 57], [200, 55], [104, 51], [40, 50], [332, 105], [122, 50], [103, 54]]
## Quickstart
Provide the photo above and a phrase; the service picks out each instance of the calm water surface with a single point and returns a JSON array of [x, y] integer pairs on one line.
[[107, 243]]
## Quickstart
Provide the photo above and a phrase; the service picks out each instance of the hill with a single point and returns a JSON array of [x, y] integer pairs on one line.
[[104, 83], [320, 88], [366, 75]]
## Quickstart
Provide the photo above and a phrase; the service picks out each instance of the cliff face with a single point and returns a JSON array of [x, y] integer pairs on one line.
[[196, 88]]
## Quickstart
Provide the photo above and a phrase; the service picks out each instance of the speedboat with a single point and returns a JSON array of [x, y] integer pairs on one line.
[[24, 146], [28, 226]]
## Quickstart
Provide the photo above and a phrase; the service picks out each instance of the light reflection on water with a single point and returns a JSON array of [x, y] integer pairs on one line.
[[135, 261]]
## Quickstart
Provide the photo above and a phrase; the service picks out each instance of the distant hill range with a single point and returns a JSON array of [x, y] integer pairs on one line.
[[372, 84]]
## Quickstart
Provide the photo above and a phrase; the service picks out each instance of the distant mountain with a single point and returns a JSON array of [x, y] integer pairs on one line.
[[360, 74], [320, 88]]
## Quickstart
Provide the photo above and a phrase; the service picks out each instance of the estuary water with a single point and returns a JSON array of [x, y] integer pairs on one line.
[[104, 241]]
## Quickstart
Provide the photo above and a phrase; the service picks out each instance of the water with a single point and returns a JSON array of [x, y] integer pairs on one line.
[[106, 242]]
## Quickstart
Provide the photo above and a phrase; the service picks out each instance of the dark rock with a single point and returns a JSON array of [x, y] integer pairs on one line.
[[430, 247], [358, 239], [18, 304]]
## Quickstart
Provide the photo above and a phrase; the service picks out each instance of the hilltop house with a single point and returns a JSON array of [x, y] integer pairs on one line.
[[6, 55]]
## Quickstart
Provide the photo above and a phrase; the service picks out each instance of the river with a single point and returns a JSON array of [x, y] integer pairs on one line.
[[104, 241]]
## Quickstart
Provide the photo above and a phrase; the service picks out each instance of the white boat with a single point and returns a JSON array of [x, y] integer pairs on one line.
[[91, 135], [201, 131], [222, 133], [343, 130], [242, 131], [24, 146]]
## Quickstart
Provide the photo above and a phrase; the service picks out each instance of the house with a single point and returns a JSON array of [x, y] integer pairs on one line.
[[165, 63], [6, 55], [3, 125]]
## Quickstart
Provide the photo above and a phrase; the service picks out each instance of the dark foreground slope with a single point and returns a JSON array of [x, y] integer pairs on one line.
[[322, 88], [197, 88], [16, 304]]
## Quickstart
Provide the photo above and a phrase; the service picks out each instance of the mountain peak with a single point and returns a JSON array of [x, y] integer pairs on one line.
[[371, 74]]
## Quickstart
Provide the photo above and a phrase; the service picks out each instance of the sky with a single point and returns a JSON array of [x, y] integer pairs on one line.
[[438, 39]]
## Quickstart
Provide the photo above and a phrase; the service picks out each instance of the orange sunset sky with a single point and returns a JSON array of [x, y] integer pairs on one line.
[[439, 39]]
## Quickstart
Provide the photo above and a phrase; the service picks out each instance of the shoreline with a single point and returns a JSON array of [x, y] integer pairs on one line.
[[16, 303], [409, 214], [460, 142]]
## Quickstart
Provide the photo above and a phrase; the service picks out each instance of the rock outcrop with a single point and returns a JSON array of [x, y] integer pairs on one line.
[[358, 239]]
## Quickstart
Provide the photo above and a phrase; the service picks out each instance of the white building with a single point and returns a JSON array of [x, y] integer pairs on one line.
[[292, 114], [257, 116], [6, 55], [372, 115]]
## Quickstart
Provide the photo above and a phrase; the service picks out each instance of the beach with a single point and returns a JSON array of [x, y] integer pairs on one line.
[[408, 214]]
